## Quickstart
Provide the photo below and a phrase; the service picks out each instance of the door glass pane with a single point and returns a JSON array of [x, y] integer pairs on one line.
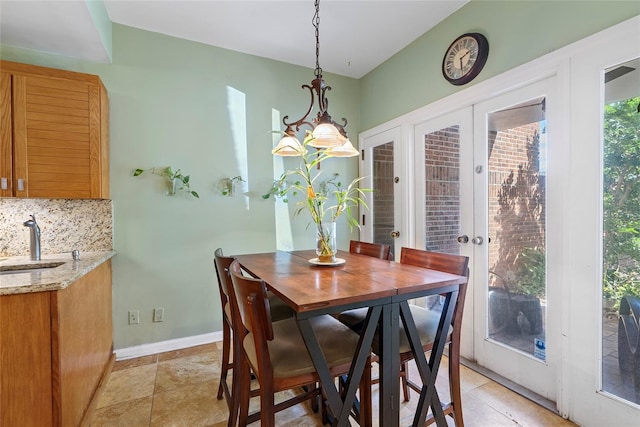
[[382, 206], [442, 197], [516, 223], [621, 241], [442, 190]]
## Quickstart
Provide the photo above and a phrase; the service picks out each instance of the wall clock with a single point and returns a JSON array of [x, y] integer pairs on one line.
[[465, 58]]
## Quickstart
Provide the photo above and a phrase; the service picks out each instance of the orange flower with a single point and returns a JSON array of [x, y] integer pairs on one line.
[[310, 193]]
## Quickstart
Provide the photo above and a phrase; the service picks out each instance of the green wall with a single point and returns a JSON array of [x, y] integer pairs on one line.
[[169, 106], [518, 31]]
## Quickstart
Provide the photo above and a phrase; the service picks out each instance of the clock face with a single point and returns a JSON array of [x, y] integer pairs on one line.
[[465, 58]]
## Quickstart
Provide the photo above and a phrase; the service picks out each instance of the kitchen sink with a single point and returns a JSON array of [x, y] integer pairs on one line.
[[29, 268]]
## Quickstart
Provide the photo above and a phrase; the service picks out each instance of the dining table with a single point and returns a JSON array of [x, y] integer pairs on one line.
[[355, 281]]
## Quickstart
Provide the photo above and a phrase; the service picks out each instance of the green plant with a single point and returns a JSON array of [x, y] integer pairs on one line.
[[532, 272], [619, 283], [325, 200], [177, 181], [278, 190], [227, 185], [621, 200]]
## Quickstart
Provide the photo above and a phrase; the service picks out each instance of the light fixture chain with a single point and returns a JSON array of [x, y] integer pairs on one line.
[[316, 24]]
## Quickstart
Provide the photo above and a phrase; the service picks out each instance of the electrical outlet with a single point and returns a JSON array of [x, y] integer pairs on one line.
[[158, 314], [134, 317]]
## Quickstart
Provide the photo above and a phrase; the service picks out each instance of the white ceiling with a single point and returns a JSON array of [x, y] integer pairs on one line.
[[355, 36]]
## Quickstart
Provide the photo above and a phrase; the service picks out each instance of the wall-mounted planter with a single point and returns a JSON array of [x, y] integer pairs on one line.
[[227, 186], [176, 182]]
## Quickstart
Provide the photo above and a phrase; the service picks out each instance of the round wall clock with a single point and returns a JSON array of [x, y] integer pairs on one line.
[[465, 58]]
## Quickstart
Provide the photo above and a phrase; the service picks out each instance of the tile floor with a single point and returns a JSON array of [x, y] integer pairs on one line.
[[178, 388]]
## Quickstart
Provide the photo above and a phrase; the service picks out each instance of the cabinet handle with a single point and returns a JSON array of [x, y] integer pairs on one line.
[[20, 184], [3, 183]]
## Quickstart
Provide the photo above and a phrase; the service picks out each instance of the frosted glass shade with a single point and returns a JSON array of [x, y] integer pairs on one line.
[[288, 146], [344, 150], [326, 135]]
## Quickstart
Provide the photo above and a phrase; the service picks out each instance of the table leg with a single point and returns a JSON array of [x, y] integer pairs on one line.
[[341, 409], [389, 361]]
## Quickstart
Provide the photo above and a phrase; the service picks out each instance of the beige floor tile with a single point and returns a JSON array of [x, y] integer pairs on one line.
[[478, 414], [189, 406], [128, 384], [520, 409], [190, 351], [187, 370], [132, 413], [138, 361]]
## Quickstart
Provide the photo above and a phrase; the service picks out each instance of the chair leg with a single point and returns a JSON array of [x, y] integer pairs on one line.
[[366, 409], [404, 377], [242, 393], [226, 347], [315, 402], [267, 410], [454, 385]]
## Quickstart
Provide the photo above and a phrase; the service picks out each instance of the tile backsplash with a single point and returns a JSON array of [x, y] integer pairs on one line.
[[65, 224]]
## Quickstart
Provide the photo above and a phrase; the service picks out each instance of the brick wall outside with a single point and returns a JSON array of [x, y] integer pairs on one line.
[[442, 183], [383, 221], [516, 200]]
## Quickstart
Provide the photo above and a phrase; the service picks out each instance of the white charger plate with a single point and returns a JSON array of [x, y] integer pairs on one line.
[[338, 261]]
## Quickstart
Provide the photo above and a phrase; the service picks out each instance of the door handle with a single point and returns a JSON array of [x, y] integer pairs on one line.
[[463, 239], [395, 234], [477, 240]]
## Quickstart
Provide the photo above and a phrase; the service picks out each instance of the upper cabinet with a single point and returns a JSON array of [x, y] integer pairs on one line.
[[54, 140]]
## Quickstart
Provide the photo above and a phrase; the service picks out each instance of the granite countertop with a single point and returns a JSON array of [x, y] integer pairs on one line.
[[47, 279]]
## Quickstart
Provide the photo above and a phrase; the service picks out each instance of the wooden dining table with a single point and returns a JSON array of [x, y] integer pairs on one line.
[[385, 287]]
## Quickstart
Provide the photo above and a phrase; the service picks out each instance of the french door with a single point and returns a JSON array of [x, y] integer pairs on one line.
[[442, 154], [516, 323]]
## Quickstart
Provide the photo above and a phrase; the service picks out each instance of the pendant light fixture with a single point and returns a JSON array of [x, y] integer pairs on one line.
[[327, 134]]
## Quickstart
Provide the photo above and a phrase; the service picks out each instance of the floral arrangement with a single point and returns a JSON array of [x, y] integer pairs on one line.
[[325, 200]]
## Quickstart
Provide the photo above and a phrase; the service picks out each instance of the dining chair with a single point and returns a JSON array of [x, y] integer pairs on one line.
[[376, 250], [426, 320], [221, 264], [230, 344], [276, 352], [363, 408]]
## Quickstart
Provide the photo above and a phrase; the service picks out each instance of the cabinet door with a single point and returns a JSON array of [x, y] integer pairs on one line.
[[25, 360], [6, 170], [57, 132]]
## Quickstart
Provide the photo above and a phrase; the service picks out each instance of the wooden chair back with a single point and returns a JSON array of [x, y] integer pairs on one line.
[[453, 264], [376, 250], [255, 316], [448, 263], [222, 264]]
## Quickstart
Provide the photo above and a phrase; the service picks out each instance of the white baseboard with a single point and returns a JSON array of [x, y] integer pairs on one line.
[[169, 345]]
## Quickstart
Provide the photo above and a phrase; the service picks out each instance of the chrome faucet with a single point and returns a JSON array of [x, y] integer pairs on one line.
[[35, 237]]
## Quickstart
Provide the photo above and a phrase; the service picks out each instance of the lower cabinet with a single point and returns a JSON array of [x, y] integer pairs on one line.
[[55, 349]]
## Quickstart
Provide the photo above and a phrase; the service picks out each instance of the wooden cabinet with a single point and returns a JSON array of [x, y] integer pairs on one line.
[[54, 141], [55, 349]]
